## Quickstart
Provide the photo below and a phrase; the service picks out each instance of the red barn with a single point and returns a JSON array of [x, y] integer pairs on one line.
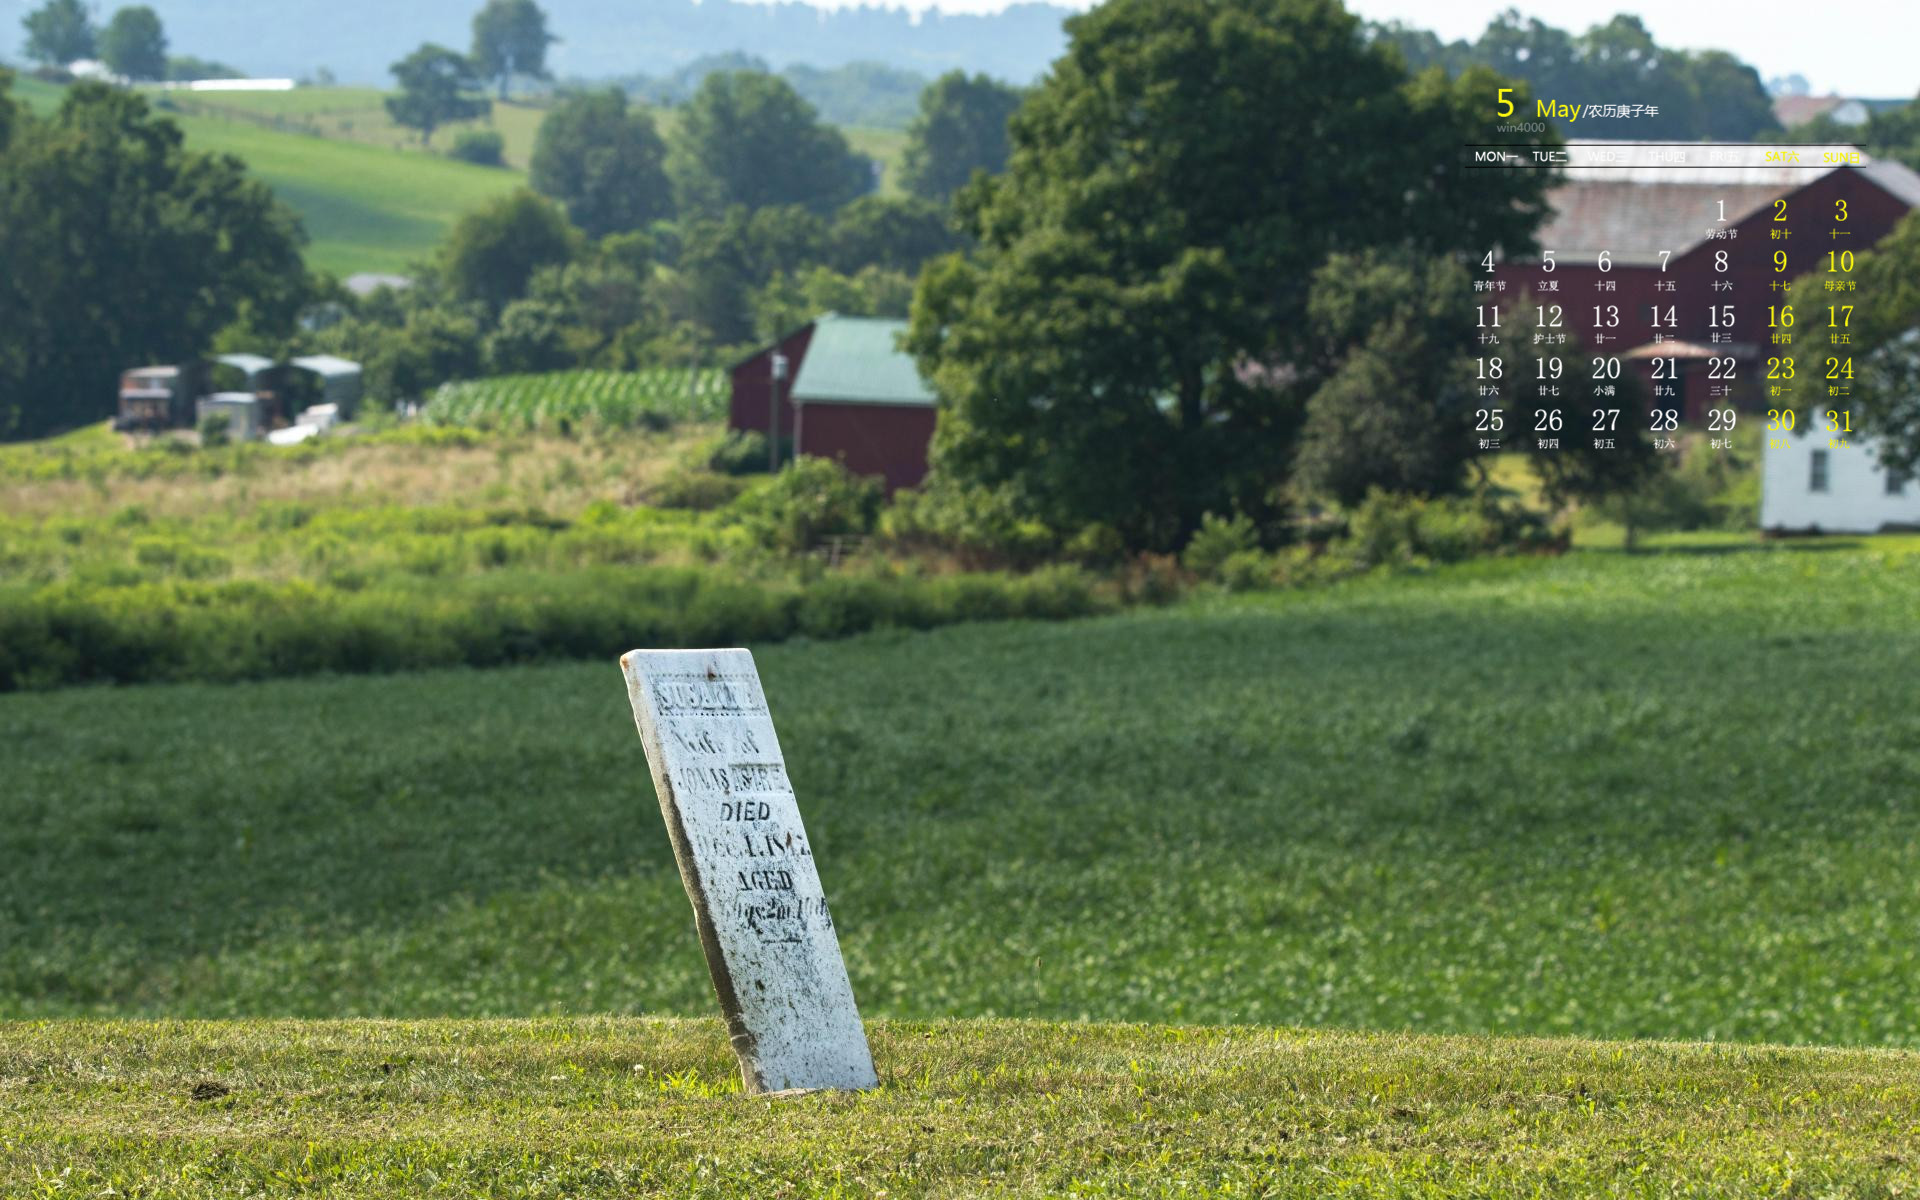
[[1635, 213], [849, 393]]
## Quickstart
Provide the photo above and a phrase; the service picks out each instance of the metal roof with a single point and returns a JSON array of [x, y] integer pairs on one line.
[[855, 360], [249, 364], [1636, 212], [327, 365]]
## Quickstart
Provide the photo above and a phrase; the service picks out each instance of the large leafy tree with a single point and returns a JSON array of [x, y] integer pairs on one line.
[[510, 38], [604, 161], [747, 138], [493, 252], [961, 128], [723, 260], [134, 44], [1129, 345], [122, 248], [435, 83], [59, 32], [897, 233]]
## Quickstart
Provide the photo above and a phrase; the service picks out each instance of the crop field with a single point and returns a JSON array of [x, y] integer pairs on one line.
[[1667, 795], [603, 399]]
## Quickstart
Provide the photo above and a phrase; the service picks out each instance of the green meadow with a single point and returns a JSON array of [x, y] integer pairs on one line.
[[1661, 795]]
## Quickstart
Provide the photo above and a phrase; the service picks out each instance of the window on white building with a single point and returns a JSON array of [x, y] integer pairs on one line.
[[1817, 471], [1896, 483]]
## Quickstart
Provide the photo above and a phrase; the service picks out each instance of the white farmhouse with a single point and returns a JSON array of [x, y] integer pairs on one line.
[[1811, 483]]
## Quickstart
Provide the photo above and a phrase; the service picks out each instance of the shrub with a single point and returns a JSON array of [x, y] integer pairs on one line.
[[1217, 540], [1244, 571], [215, 429], [812, 499], [740, 452], [482, 146], [1393, 528], [983, 527], [697, 491]]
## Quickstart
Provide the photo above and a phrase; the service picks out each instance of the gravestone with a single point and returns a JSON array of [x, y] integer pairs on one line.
[[747, 866]]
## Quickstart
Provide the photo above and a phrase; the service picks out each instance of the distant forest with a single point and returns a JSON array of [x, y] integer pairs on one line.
[[861, 93], [1700, 94]]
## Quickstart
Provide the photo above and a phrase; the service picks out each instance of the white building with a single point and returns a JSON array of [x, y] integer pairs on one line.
[[1810, 483]]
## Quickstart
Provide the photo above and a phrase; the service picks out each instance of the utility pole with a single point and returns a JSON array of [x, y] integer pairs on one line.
[[773, 413]]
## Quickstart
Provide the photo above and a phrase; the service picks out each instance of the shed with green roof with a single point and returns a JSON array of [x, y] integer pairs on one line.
[[846, 391]]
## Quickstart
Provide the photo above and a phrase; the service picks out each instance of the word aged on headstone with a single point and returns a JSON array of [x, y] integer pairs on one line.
[[744, 857]]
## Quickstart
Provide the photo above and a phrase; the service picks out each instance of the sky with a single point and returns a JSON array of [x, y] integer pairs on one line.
[[1855, 47]]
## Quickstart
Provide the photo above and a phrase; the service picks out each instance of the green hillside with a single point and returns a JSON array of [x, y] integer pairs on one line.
[[620, 1108], [373, 198], [366, 209]]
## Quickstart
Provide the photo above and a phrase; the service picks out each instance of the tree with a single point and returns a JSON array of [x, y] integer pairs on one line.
[[722, 261], [1130, 343], [1885, 349], [122, 248], [896, 232], [1393, 410], [134, 45], [59, 32], [1732, 102], [510, 38], [961, 128], [434, 82], [604, 161], [748, 138], [492, 253]]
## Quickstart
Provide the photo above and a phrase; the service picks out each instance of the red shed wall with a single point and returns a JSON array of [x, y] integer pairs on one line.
[[1872, 213], [887, 440], [753, 384]]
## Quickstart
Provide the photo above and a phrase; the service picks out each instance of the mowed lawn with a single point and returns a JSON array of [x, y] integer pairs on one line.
[[633, 1107], [1668, 795]]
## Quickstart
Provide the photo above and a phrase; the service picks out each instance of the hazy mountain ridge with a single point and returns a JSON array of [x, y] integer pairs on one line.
[[358, 39]]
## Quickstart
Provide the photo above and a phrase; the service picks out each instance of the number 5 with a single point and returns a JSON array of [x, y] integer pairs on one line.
[[1505, 103]]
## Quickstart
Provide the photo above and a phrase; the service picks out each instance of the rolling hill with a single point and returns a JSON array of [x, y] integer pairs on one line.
[[373, 198]]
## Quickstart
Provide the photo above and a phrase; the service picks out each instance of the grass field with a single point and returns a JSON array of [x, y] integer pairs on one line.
[[602, 1108], [1666, 795]]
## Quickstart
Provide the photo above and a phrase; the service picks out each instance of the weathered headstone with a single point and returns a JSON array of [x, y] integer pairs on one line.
[[749, 871]]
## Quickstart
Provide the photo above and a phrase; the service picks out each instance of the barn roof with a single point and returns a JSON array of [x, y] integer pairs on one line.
[[1635, 212], [856, 360]]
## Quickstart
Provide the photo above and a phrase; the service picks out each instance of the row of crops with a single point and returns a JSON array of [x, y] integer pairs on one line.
[[580, 399]]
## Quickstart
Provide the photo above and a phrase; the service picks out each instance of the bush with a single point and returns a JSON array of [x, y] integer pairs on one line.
[[740, 452], [482, 146], [1217, 540], [1392, 528], [215, 429], [982, 527], [1244, 571], [696, 491], [812, 499]]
